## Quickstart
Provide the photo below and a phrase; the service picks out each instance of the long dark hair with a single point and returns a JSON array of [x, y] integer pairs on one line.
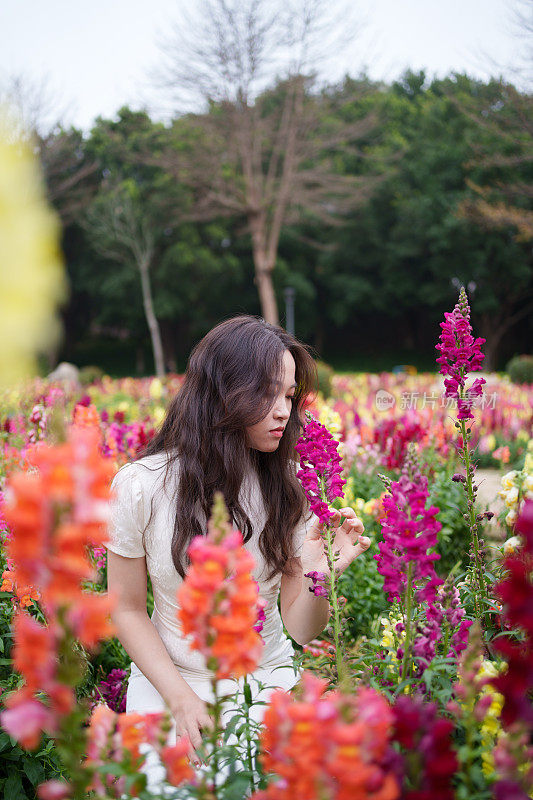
[[230, 384]]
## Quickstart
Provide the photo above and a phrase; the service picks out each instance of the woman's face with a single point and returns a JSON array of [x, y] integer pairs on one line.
[[266, 434]]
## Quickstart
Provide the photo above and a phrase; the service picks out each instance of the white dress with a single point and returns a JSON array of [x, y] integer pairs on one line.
[[134, 486]]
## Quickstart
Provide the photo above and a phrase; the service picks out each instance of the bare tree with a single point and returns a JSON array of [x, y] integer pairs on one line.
[[33, 107], [264, 154], [120, 231], [36, 113], [522, 28]]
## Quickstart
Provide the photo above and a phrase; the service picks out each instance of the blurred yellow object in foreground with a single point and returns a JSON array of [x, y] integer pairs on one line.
[[32, 280]]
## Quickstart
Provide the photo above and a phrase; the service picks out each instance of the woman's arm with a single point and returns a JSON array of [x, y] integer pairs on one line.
[[304, 614], [127, 580]]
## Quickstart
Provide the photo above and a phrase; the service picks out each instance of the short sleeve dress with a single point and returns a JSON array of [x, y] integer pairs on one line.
[[134, 487]]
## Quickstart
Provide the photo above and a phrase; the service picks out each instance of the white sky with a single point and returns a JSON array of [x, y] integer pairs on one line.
[[96, 56]]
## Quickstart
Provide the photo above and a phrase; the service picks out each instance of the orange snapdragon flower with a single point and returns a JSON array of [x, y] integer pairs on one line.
[[55, 514], [87, 416], [218, 600], [34, 651], [115, 737], [175, 758], [25, 595], [327, 746], [502, 454]]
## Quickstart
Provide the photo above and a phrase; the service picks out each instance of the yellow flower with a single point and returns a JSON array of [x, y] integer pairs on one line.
[[512, 545], [370, 506], [159, 414], [331, 419], [32, 279], [359, 504], [507, 480], [156, 389], [491, 728], [511, 497], [511, 517]]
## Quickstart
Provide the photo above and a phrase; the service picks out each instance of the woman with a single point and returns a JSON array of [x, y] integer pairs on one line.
[[232, 427]]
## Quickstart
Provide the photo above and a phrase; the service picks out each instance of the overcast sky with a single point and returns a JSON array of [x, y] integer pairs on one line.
[[97, 55]]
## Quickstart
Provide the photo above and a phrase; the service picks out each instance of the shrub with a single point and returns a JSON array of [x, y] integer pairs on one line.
[[362, 585], [520, 369], [90, 374], [325, 374], [20, 770]]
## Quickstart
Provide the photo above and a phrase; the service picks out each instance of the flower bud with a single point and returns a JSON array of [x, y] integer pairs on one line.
[[54, 790]]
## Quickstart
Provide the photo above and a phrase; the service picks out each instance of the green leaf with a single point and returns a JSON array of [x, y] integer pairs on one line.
[[231, 725], [13, 788], [33, 769], [235, 787], [111, 769], [247, 694], [139, 778]]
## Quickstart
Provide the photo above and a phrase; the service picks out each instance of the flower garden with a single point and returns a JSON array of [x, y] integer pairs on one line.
[[420, 685]]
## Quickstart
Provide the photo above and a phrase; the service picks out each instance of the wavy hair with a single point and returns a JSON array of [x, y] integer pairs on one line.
[[230, 384]]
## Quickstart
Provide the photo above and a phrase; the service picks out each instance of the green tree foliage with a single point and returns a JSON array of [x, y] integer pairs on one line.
[[369, 292], [394, 261]]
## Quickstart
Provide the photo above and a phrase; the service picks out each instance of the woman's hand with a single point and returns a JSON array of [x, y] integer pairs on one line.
[[348, 542], [190, 714]]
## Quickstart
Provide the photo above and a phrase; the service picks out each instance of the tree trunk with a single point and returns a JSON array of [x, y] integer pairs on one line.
[[267, 298], [153, 325], [139, 360], [169, 345], [263, 270]]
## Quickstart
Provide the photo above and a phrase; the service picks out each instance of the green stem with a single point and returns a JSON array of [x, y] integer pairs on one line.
[[406, 666], [479, 588], [249, 757], [214, 737], [71, 739], [334, 600]]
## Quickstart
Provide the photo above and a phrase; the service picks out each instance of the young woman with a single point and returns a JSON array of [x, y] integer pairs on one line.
[[232, 427]]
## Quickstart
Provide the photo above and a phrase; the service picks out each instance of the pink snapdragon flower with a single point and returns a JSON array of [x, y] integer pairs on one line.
[[445, 611], [319, 583], [100, 557], [460, 354], [113, 690], [261, 605], [320, 467], [409, 533]]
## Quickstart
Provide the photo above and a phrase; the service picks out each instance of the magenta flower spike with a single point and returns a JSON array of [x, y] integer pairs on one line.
[[460, 353], [320, 474], [409, 534], [406, 556], [320, 470]]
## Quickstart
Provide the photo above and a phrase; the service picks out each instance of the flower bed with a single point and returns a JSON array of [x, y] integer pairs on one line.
[[419, 687]]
